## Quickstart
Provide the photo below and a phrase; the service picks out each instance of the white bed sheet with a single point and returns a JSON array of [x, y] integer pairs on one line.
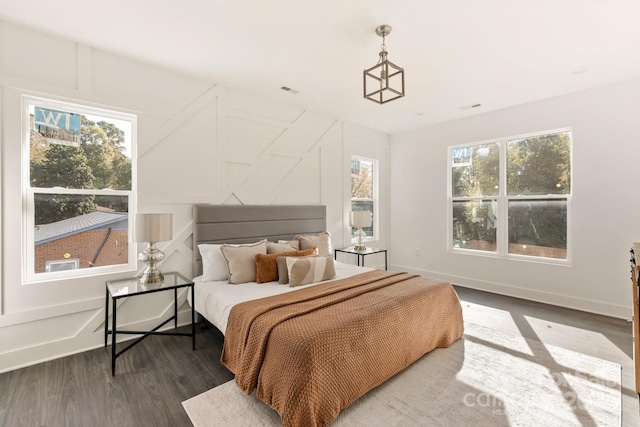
[[215, 299]]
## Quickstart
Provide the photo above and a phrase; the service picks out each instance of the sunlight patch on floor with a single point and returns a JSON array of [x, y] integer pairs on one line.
[[490, 317], [557, 334]]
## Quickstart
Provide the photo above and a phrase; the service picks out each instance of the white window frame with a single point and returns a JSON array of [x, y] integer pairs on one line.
[[375, 200], [502, 228], [28, 192]]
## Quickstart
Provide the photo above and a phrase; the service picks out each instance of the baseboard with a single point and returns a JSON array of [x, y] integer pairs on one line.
[[566, 301]]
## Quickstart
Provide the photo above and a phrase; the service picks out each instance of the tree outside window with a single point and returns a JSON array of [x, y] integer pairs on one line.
[[363, 190], [519, 185]]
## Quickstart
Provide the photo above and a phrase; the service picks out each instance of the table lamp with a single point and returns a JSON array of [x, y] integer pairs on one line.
[[152, 228], [360, 219]]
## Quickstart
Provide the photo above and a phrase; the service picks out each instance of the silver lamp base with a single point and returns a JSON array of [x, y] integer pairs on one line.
[[360, 235], [149, 277], [151, 256]]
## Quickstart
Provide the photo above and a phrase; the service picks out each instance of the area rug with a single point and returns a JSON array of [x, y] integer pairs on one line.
[[487, 378]]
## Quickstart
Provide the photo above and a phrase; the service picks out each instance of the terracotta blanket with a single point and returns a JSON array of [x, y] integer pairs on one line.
[[312, 352]]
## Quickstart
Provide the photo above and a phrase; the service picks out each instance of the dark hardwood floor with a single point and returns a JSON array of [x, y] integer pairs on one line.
[[151, 381], [154, 377]]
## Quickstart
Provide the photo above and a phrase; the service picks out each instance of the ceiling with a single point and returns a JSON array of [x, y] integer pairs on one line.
[[498, 53]]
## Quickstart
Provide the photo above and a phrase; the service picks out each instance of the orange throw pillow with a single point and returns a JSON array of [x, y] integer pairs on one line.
[[267, 268]]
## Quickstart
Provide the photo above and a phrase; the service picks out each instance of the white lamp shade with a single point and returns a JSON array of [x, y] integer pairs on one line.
[[153, 227], [360, 218]]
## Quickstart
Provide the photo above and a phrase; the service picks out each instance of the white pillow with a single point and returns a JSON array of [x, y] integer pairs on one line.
[[214, 266]]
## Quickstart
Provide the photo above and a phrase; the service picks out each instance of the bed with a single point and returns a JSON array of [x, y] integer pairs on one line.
[[310, 351]]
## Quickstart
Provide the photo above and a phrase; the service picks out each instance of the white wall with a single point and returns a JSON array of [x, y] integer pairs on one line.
[[605, 210], [197, 143]]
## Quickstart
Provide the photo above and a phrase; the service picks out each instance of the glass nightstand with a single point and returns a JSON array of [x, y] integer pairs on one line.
[[116, 289], [361, 254]]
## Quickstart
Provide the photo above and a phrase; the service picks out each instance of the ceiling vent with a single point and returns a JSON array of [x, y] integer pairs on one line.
[[288, 89], [468, 107]]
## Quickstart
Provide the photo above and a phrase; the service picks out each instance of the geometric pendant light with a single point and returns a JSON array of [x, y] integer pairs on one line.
[[384, 81]]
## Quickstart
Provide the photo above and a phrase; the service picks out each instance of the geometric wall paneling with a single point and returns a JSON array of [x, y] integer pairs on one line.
[[126, 78], [317, 173], [206, 100], [232, 199], [245, 138], [301, 185], [148, 125], [259, 107], [305, 132], [185, 151], [52, 329], [271, 154], [249, 151], [24, 52], [150, 306], [231, 171], [185, 248], [159, 309], [235, 197], [267, 176], [177, 248], [331, 167]]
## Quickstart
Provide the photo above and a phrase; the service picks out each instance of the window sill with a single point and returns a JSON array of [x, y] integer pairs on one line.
[[512, 257]]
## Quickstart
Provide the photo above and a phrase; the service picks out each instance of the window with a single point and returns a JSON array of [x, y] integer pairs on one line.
[[511, 196], [364, 192], [78, 190]]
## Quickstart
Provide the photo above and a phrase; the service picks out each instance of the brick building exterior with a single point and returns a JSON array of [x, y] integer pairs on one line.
[[86, 247], [91, 240]]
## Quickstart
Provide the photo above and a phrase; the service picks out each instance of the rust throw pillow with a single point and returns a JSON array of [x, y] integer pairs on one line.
[[267, 268]]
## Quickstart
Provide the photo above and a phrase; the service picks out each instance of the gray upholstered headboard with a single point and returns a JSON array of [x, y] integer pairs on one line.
[[248, 224]]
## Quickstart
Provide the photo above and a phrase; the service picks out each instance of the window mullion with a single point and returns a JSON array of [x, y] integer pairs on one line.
[[503, 214], [73, 191]]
